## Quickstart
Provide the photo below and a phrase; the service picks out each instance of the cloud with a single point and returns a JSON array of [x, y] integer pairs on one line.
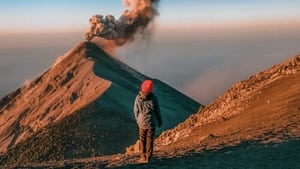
[[117, 32], [209, 84]]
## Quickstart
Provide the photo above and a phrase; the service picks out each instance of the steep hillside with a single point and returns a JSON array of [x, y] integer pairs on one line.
[[256, 124], [81, 107], [275, 90], [66, 87]]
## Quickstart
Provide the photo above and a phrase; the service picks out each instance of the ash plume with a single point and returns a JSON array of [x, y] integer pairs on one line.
[[116, 32]]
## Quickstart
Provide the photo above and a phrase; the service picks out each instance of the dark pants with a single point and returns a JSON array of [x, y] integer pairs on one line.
[[146, 142]]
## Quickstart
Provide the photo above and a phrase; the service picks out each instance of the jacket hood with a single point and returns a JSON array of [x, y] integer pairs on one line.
[[145, 96]]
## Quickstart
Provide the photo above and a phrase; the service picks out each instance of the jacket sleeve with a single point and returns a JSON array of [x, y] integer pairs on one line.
[[158, 113], [135, 108]]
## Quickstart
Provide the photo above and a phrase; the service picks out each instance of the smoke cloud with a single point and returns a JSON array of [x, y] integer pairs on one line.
[[117, 32]]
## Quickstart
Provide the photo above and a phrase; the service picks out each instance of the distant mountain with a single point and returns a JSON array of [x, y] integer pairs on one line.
[[81, 107]]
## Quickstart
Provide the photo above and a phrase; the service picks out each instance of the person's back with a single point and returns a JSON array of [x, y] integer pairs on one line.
[[147, 105], [147, 115]]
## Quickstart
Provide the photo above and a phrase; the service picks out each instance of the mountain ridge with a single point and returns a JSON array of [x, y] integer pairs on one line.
[[39, 110], [225, 106], [91, 88]]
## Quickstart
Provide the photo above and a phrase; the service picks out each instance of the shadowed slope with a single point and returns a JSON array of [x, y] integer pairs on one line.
[[66, 87], [81, 107]]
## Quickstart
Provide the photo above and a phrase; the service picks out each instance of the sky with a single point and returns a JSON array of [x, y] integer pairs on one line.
[[199, 47], [72, 15]]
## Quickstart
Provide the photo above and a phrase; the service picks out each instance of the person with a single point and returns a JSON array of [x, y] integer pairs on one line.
[[148, 117]]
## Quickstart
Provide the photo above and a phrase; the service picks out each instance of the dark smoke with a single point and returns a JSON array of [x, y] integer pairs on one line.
[[116, 32]]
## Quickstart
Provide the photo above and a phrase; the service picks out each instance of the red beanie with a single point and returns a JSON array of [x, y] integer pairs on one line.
[[147, 86]]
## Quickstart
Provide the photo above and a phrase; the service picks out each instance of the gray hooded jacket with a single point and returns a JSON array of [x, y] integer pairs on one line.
[[147, 111]]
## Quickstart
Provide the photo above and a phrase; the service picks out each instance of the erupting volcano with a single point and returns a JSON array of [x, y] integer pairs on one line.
[[79, 113]]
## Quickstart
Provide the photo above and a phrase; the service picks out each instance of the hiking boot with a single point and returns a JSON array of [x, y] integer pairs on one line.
[[148, 157], [143, 159]]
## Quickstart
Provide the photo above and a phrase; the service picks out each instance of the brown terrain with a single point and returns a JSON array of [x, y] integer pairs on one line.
[[37, 104], [81, 107], [255, 124]]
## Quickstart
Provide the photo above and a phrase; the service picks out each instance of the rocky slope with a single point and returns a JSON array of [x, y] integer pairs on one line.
[[242, 96], [255, 124], [81, 107]]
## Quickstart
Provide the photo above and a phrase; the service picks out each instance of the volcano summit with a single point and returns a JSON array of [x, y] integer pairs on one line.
[[81, 107]]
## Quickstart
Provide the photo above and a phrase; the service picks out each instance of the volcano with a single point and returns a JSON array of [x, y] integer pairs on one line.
[[81, 107]]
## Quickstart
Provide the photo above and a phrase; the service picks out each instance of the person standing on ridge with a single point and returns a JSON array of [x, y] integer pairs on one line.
[[148, 117]]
